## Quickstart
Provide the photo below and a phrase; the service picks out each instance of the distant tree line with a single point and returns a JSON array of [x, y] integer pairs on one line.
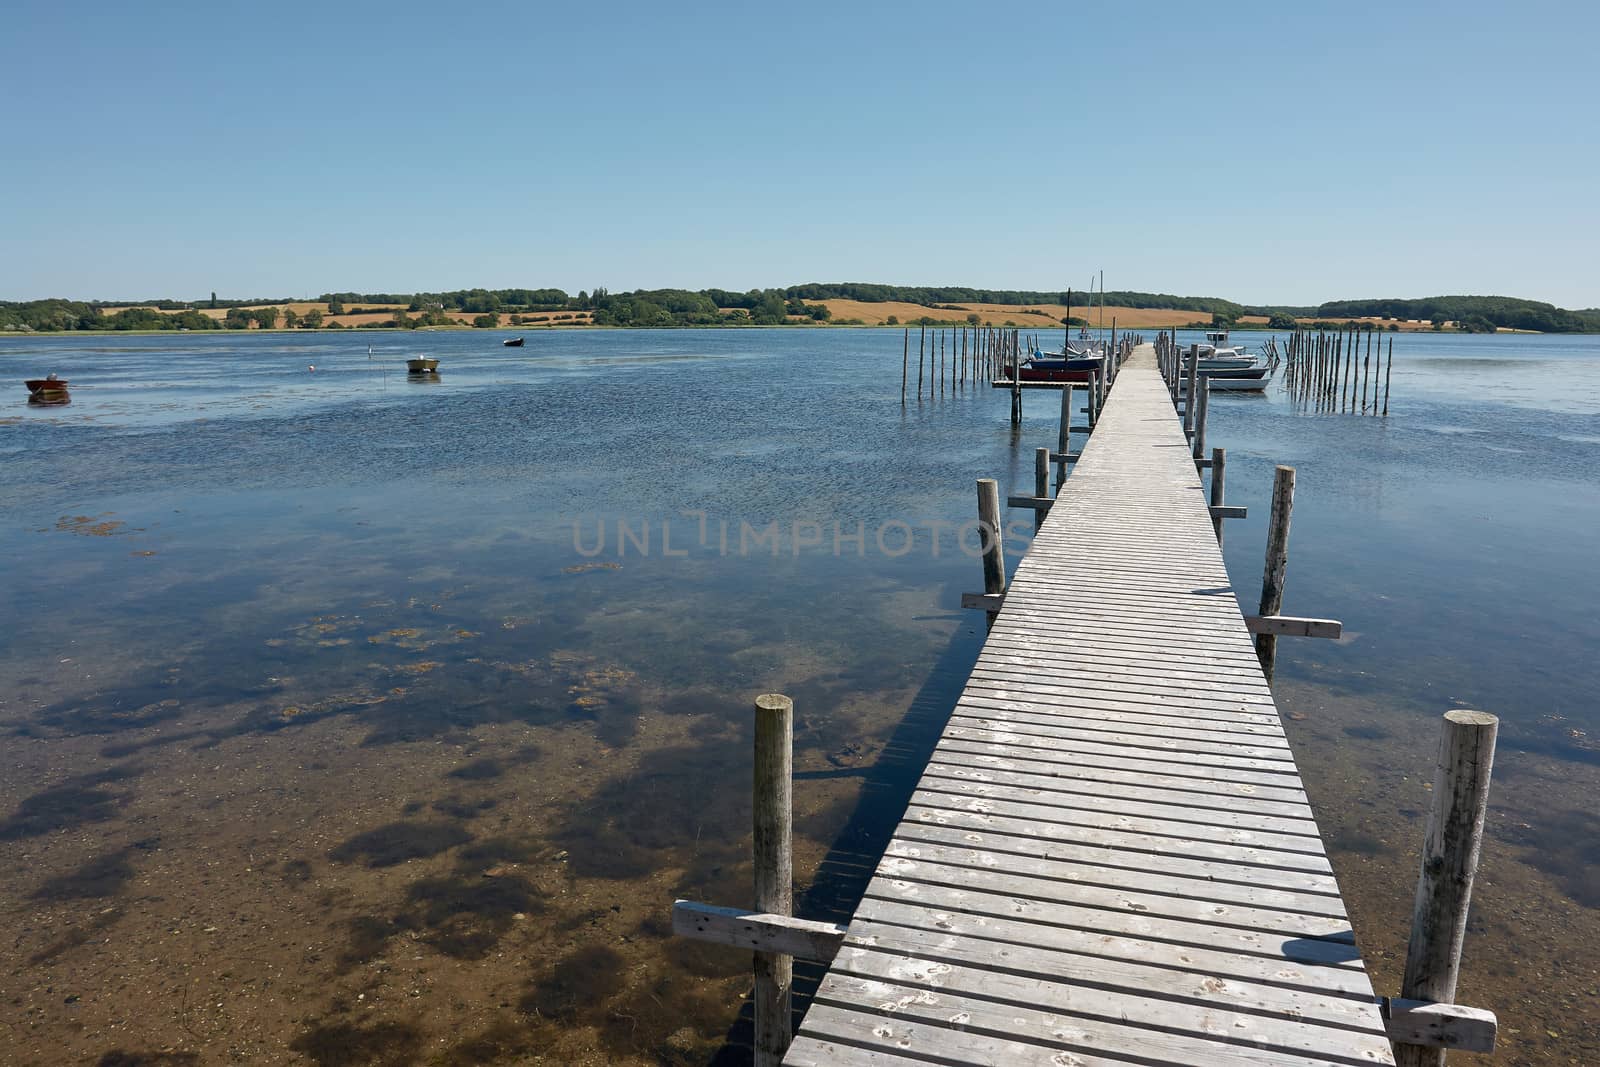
[[49, 316], [1473, 313], [761, 307]]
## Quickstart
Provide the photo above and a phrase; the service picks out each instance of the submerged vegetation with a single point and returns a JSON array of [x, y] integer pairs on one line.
[[755, 307]]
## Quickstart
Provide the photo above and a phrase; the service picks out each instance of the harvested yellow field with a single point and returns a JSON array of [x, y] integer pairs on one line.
[[1034, 315]]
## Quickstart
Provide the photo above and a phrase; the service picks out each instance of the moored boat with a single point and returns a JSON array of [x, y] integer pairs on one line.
[[48, 390], [1215, 373], [515, 342], [422, 365], [1054, 367]]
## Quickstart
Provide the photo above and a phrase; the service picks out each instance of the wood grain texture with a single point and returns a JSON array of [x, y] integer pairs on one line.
[[1110, 857]]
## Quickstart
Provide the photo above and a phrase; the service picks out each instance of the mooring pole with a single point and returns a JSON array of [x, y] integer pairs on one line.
[[1189, 390], [1449, 863], [922, 343], [1388, 373], [774, 870], [1219, 461], [1016, 380], [1277, 565], [1200, 418], [905, 363], [1064, 434], [994, 558]]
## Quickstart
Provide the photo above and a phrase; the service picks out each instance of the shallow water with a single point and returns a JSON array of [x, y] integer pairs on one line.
[[335, 733]]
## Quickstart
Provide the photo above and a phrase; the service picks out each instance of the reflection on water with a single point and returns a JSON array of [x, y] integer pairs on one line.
[[325, 740]]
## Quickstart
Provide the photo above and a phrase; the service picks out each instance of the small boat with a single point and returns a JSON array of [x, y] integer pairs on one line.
[[1216, 347], [49, 390], [1215, 373], [1054, 367], [515, 342], [422, 365]]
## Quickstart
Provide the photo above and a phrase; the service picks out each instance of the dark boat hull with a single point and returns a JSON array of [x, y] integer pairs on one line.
[[1073, 369], [515, 342]]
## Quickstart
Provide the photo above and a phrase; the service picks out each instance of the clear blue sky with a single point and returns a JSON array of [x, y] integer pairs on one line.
[[1269, 153]]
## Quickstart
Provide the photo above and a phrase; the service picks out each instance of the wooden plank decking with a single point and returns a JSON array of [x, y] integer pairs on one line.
[[1110, 858]]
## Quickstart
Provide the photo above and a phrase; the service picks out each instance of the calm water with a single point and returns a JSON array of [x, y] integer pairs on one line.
[[354, 719]]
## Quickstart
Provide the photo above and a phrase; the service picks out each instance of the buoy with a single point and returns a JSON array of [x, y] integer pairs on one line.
[[312, 368]]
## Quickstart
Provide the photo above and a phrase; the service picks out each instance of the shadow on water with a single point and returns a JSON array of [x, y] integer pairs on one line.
[[71, 804], [886, 788]]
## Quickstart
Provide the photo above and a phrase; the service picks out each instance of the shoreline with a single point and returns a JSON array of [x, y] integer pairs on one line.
[[1250, 327]]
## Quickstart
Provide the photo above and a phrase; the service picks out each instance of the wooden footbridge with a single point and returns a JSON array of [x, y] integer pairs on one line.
[[1110, 857]]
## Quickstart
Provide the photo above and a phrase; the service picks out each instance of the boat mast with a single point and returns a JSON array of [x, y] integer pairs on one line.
[[1102, 309], [1066, 327]]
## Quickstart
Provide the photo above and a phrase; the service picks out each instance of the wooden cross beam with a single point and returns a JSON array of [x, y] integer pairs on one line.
[[804, 939], [1431, 1025], [1288, 626]]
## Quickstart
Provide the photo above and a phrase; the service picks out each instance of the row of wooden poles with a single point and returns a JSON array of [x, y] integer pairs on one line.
[[971, 354], [954, 357], [1425, 1010], [1337, 371]]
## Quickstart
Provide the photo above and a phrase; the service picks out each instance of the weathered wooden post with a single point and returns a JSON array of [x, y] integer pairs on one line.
[[1219, 461], [1091, 408], [1277, 565], [1041, 483], [994, 558], [905, 361], [1016, 380], [1111, 353], [1200, 418], [1192, 377], [774, 870], [922, 342], [1449, 864], [1387, 371], [1063, 435]]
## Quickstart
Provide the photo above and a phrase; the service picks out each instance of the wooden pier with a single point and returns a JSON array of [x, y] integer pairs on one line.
[[1110, 858]]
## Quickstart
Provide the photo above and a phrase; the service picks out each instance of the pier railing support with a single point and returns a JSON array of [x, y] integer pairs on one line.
[[1449, 864], [774, 871], [1219, 461], [994, 558], [1064, 435], [1204, 404], [1277, 564], [1190, 388]]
